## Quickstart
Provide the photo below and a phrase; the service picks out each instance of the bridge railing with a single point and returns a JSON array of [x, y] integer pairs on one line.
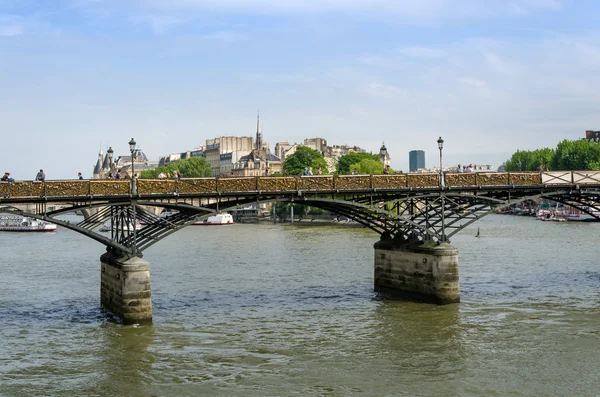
[[282, 184], [65, 188]]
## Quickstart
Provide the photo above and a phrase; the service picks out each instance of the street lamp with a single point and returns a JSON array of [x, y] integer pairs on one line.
[[440, 143], [109, 153], [132, 149], [133, 192]]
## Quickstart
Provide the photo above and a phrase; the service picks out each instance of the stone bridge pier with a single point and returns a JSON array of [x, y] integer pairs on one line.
[[125, 287], [420, 270]]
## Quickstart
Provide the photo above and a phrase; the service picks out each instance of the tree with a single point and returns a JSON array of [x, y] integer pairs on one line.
[[368, 166], [576, 155], [580, 155], [344, 166], [194, 167], [530, 160], [303, 157]]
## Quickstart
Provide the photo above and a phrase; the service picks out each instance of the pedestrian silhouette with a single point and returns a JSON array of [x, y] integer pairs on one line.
[[40, 176]]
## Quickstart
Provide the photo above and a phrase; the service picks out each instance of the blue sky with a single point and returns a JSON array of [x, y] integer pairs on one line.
[[489, 76]]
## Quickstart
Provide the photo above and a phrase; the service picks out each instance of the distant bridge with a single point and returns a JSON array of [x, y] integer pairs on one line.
[[404, 209]]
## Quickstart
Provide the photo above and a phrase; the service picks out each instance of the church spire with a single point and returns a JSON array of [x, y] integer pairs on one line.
[[259, 142]]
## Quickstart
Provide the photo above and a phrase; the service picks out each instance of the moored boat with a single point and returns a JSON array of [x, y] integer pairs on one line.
[[106, 227], [13, 223], [218, 219], [581, 216]]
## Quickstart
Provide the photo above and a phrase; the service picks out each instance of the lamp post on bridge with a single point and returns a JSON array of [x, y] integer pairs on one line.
[[440, 143], [109, 153], [132, 144]]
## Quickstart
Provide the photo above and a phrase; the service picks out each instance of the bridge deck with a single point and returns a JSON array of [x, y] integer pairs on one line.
[[86, 189]]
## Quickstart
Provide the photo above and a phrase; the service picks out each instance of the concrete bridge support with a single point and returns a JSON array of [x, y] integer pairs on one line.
[[125, 288], [419, 270]]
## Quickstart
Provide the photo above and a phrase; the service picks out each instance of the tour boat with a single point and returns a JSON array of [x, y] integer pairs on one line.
[[218, 219], [106, 227], [24, 224]]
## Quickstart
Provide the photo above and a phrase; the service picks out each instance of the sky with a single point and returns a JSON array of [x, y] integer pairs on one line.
[[490, 77]]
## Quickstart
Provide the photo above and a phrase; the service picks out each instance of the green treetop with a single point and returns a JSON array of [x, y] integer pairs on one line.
[[348, 162], [304, 157], [579, 155], [194, 167], [368, 166]]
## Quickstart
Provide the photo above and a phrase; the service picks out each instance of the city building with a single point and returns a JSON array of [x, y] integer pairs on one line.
[[318, 144], [259, 161], [416, 160], [384, 156], [281, 149], [592, 135], [169, 158], [226, 144], [106, 166]]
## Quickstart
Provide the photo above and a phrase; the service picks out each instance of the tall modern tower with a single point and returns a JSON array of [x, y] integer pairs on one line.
[[416, 160]]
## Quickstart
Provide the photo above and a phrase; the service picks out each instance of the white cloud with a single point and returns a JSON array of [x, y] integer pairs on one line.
[[226, 36], [423, 10], [422, 52], [11, 25], [384, 91], [479, 87], [159, 23], [277, 78], [17, 25]]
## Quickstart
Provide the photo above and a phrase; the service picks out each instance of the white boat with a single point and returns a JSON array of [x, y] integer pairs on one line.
[[581, 216], [218, 219], [14, 223], [106, 227]]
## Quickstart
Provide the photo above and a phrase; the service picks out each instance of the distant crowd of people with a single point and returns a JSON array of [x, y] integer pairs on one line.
[[167, 175], [7, 177], [309, 171], [466, 168], [39, 177]]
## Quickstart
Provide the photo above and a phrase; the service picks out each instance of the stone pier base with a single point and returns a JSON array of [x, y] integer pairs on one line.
[[125, 288], [418, 270]]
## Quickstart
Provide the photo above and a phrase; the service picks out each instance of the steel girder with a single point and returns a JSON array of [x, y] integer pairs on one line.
[[122, 218], [420, 215]]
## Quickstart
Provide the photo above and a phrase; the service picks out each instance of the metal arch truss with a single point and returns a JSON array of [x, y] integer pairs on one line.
[[425, 217], [118, 220], [441, 216], [394, 215]]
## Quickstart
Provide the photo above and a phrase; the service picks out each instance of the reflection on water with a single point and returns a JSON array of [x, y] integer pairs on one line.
[[270, 310]]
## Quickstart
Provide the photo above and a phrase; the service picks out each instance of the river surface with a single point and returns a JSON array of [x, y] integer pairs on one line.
[[282, 310]]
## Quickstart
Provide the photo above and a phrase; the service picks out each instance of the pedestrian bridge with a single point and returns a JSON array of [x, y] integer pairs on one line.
[[414, 214], [410, 205]]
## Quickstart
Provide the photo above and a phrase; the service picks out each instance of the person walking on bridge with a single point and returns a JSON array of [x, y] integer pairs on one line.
[[40, 176]]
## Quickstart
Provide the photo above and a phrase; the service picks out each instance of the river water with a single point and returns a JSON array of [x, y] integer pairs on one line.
[[283, 310]]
